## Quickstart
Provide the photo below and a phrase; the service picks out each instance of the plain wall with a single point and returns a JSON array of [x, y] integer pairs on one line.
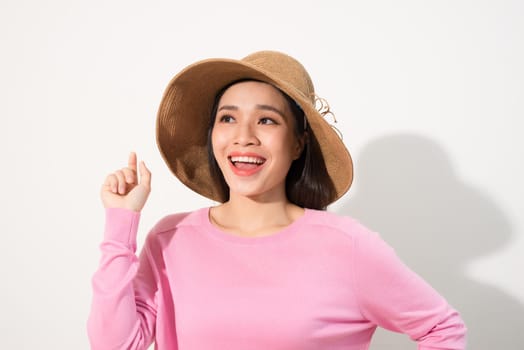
[[428, 96]]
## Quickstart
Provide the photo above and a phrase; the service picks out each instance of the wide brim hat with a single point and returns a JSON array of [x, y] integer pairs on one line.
[[186, 106]]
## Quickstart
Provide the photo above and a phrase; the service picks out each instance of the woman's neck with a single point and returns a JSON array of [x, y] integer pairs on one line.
[[244, 216]]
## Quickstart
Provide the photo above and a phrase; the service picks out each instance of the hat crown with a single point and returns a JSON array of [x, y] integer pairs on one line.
[[285, 68]]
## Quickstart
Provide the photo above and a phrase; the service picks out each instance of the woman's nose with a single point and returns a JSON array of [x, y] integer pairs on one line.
[[246, 135]]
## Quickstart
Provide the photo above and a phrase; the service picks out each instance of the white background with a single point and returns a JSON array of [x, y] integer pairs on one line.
[[428, 95]]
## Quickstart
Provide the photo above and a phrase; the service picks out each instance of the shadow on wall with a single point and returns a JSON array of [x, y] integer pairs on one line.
[[408, 192]]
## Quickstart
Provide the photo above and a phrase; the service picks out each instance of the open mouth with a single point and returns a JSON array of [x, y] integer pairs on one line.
[[246, 162]]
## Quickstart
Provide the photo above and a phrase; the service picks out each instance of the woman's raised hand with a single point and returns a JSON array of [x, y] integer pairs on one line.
[[123, 188]]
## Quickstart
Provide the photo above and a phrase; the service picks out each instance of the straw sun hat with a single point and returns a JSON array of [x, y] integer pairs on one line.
[[185, 109]]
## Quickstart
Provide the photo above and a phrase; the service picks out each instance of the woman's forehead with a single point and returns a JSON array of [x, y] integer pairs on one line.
[[253, 89], [254, 93]]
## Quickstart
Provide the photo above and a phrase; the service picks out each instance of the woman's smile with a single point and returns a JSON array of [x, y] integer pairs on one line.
[[246, 164]]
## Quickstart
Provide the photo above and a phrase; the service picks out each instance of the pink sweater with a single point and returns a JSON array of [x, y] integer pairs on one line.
[[324, 282]]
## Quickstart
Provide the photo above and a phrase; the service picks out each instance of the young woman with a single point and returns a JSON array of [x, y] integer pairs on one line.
[[268, 267]]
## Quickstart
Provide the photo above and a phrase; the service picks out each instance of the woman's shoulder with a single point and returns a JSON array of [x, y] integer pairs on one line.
[[346, 225], [333, 220], [172, 222], [350, 230]]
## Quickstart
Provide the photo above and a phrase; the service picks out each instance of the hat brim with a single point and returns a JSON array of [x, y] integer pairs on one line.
[[185, 111]]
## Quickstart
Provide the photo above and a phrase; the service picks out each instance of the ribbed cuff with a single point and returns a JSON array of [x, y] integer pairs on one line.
[[122, 226]]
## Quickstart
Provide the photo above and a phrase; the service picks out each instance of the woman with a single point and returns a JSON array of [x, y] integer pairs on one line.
[[266, 268]]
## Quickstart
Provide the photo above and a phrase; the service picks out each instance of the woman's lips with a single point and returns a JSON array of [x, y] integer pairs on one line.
[[246, 164]]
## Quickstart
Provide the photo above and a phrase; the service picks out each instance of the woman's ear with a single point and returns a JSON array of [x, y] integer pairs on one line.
[[300, 145]]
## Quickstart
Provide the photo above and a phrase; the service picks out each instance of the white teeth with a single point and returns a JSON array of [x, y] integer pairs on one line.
[[244, 159]]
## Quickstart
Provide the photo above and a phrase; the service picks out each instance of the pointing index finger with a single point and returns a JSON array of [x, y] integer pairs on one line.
[[131, 163]]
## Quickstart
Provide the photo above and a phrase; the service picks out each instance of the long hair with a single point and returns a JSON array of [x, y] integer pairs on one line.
[[308, 184]]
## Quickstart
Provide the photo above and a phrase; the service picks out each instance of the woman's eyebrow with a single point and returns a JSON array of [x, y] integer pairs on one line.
[[228, 107], [271, 108], [259, 106]]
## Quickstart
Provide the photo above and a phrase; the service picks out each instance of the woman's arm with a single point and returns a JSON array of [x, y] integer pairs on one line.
[[394, 297], [123, 310]]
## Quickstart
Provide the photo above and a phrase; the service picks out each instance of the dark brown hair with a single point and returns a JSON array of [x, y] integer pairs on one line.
[[308, 184]]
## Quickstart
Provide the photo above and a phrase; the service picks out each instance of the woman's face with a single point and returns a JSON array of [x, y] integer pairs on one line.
[[253, 140]]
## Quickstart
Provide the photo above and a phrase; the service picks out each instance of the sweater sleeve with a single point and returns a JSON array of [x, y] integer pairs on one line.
[[394, 297], [123, 309]]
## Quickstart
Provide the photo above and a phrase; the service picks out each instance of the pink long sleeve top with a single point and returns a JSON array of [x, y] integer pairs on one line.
[[324, 282]]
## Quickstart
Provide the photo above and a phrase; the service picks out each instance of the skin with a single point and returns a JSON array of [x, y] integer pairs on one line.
[[124, 189], [254, 118]]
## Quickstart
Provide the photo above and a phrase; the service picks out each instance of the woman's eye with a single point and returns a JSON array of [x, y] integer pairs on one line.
[[267, 121], [227, 119]]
